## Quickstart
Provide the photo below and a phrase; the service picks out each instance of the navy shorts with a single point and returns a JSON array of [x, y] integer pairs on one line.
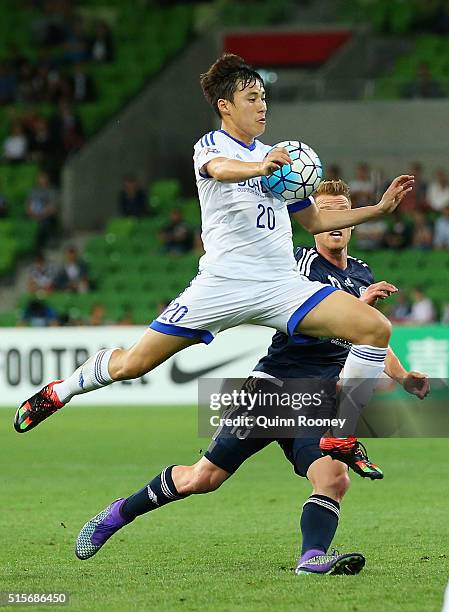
[[229, 453]]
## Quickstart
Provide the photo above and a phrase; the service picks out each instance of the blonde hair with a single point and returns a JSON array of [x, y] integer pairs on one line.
[[333, 188]]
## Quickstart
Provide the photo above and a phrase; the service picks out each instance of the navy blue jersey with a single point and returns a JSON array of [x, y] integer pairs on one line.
[[322, 358]]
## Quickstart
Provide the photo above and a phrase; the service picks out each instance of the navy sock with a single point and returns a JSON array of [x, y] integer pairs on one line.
[[160, 491], [319, 521]]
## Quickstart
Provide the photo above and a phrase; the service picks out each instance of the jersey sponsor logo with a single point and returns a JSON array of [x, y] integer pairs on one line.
[[253, 185], [340, 342], [180, 377], [348, 282]]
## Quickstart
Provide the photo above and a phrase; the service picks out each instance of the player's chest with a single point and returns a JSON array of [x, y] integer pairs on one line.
[[352, 284]]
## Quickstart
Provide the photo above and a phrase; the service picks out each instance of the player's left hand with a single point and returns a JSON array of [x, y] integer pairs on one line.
[[378, 291], [395, 193], [417, 384]]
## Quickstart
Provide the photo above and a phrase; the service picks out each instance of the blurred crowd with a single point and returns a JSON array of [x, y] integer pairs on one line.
[[65, 44], [42, 206], [39, 313], [421, 221], [71, 276], [177, 236], [423, 85], [48, 86], [415, 308], [47, 141]]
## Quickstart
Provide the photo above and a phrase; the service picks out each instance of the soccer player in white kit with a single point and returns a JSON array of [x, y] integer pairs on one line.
[[248, 273]]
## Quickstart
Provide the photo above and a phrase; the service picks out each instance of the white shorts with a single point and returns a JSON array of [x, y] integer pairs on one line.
[[211, 304]]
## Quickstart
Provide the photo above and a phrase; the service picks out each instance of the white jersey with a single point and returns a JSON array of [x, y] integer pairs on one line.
[[245, 231]]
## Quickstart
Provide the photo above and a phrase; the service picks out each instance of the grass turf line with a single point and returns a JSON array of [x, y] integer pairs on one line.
[[231, 549]]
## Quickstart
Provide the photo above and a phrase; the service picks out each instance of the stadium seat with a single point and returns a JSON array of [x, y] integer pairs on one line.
[[430, 49], [165, 194], [192, 212]]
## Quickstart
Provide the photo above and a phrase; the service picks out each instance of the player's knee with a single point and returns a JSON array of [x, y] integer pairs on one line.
[[377, 332], [130, 366]]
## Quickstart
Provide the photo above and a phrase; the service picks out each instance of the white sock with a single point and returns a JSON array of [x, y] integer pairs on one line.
[[92, 374], [363, 367]]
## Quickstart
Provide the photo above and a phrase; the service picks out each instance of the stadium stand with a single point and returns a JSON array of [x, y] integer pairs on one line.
[[145, 40], [424, 24], [393, 16], [268, 12], [429, 50], [120, 261], [121, 257]]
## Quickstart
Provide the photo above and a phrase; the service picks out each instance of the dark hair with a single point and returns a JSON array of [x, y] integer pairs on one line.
[[220, 82]]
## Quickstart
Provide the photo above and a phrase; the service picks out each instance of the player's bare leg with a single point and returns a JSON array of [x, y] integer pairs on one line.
[[98, 371], [341, 315], [329, 478], [319, 521]]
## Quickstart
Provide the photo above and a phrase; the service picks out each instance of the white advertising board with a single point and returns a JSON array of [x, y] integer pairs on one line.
[[29, 358]]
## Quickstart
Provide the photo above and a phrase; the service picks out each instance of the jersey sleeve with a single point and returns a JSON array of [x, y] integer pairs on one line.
[[364, 271], [369, 276], [314, 272], [209, 147], [300, 205], [299, 252]]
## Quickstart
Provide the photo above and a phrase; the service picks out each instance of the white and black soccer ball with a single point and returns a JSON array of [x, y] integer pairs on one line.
[[296, 181]]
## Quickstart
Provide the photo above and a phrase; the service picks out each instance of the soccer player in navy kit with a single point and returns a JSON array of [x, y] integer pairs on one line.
[[329, 263]]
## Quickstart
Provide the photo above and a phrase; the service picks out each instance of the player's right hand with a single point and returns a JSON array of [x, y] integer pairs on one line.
[[417, 384], [395, 193], [380, 290], [275, 159]]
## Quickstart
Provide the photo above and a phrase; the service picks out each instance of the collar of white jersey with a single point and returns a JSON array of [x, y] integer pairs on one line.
[[250, 147]]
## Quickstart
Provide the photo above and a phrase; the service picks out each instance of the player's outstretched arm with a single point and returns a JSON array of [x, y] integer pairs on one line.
[[227, 170], [315, 220]]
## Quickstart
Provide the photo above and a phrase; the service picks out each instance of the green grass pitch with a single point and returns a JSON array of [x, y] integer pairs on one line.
[[230, 550]]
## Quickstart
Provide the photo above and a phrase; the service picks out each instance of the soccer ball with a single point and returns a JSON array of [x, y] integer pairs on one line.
[[295, 182]]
